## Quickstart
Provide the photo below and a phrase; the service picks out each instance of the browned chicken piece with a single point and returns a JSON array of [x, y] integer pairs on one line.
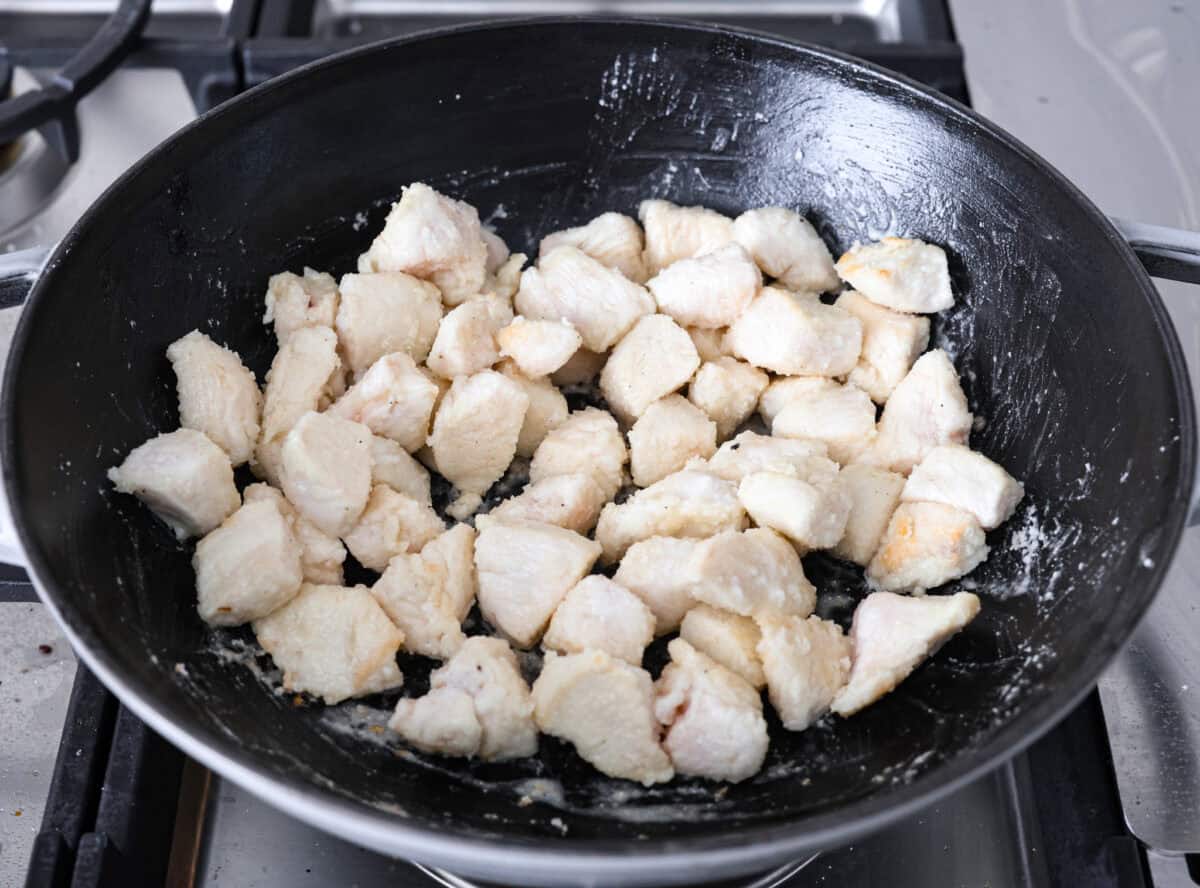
[[925, 545]]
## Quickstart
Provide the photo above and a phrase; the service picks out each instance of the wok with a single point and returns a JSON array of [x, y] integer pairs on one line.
[[1064, 347]]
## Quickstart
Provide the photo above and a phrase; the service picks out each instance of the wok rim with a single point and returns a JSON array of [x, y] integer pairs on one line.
[[727, 851]]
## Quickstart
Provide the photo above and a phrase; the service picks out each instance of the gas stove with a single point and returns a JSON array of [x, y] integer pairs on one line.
[[90, 796]]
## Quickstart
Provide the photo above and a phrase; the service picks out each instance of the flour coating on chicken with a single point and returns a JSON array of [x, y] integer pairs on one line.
[[294, 301], [326, 465], [393, 398], [600, 614], [669, 433], [654, 359], [611, 239], [899, 273], [217, 394], [538, 347], [655, 570], [925, 545], [711, 290], [788, 248], [321, 555], [727, 390], [806, 663], [752, 573], [674, 232], [960, 477], [587, 442], [796, 334], [384, 313]]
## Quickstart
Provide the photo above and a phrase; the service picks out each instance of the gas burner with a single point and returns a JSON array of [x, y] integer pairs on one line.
[[31, 171]]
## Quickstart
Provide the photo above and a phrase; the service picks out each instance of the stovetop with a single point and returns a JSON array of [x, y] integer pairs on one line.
[[89, 796]]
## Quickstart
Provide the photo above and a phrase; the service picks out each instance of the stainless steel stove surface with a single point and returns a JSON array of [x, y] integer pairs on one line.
[[103, 801]]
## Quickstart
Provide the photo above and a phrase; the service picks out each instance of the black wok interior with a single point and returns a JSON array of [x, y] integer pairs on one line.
[[1063, 348]]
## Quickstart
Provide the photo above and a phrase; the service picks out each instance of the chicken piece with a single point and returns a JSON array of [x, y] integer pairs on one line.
[[729, 638], [690, 503], [466, 338], [806, 662], [751, 452], [612, 239], [588, 442], [796, 334], [599, 614], [780, 393], [960, 477], [655, 570], [294, 302], [891, 343], [811, 514], [842, 416], [475, 435], [391, 465], [547, 408], [714, 719], [654, 359], [568, 285], [899, 273], [332, 642], [217, 394], [391, 524], [321, 555], [752, 573], [711, 290], [497, 250], [184, 478], [524, 570], [454, 552], [891, 635], [788, 248], [539, 347], [504, 282], [927, 409], [247, 567], [327, 471], [296, 381], [874, 494], [434, 237], [674, 233], [925, 545], [666, 436], [394, 399], [605, 708], [443, 722], [384, 313], [710, 344], [572, 501], [581, 368], [728, 391]]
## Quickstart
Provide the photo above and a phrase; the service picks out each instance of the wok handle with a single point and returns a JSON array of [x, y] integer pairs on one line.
[[18, 271], [1170, 253]]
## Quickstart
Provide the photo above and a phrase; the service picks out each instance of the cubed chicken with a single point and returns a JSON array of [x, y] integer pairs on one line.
[[391, 465], [443, 722], [612, 239], [504, 282], [296, 382], [842, 416], [572, 501], [588, 442], [332, 642], [874, 494], [326, 465], [788, 248], [752, 573], [497, 250], [184, 478], [247, 567], [475, 435], [796, 334], [454, 552], [654, 359], [891, 343], [321, 555], [605, 708], [581, 368], [599, 614], [393, 399], [714, 719], [599, 302], [413, 592], [710, 344], [899, 273], [751, 452], [547, 408], [727, 390], [893, 634], [690, 503], [539, 347], [927, 409], [655, 570], [294, 301], [960, 477], [925, 545], [217, 394], [779, 393], [524, 570], [384, 313], [806, 663], [711, 290], [674, 233], [391, 524], [466, 338], [434, 237], [729, 638], [812, 515], [668, 434]]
